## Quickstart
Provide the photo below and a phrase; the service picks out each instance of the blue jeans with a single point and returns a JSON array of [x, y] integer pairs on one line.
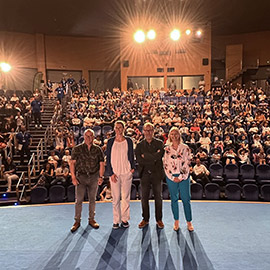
[[183, 188]]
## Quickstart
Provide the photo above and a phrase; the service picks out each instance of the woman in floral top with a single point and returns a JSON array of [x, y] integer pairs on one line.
[[176, 163]]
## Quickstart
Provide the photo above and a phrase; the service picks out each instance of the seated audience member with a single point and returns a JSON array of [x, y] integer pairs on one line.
[[228, 143], [230, 156], [46, 176], [202, 155], [205, 141], [10, 173], [218, 143], [200, 172], [70, 140], [53, 159], [67, 156], [243, 156], [215, 157], [256, 141], [259, 158], [59, 141], [106, 193], [61, 175]]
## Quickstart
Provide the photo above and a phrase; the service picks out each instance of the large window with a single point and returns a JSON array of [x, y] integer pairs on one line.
[[139, 82], [156, 83], [176, 81], [191, 81]]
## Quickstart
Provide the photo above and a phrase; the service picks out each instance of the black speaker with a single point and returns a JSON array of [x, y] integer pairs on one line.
[[205, 61], [125, 63]]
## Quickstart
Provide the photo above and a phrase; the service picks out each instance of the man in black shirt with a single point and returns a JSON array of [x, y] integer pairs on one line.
[[87, 170], [149, 153]]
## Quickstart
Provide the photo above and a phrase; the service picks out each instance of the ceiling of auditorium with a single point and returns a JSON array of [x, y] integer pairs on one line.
[[107, 17]]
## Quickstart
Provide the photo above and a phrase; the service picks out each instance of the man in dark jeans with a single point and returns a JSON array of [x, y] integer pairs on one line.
[[149, 153], [23, 142], [87, 170]]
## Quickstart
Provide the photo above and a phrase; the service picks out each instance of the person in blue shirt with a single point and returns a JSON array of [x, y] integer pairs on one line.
[[37, 109], [23, 143], [60, 92]]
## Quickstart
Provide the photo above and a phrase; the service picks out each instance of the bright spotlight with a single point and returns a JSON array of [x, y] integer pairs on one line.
[[151, 34], [199, 33], [175, 34], [188, 32], [5, 67], [139, 36]]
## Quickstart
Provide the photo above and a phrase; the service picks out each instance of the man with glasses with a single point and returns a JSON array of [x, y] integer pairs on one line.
[[149, 153]]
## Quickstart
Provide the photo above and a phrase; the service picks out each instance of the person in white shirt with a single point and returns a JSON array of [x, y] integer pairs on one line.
[[200, 172], [121, 165], [176, 162]]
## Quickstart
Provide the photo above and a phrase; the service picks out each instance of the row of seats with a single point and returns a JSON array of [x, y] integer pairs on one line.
[[19, 93], [246, 174], [211, 191], [235, 192], [184, 100]]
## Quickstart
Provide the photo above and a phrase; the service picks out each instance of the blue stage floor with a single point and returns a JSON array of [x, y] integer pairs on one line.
[[227, 236]]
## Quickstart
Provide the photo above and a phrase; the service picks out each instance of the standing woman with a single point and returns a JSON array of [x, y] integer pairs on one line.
[[176, 162], [121, 165]]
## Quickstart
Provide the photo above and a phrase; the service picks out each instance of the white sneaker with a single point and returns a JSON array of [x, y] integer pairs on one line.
[[36, 126], [40, 126]]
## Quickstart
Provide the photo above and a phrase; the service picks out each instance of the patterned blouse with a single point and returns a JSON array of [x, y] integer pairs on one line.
[[177, 161]]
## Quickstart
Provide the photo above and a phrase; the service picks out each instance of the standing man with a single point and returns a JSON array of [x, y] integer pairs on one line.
[[37, 109], [87, 170], [149, 153], [60, 92], [23, 142]]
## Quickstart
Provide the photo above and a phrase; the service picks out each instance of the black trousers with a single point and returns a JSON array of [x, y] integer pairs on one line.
[[153, 180], [37, 118], [25, 150]]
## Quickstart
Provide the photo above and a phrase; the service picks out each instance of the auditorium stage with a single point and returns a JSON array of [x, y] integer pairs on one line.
[[227, 236]]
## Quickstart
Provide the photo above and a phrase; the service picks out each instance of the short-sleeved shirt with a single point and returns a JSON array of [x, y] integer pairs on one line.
[[36, 106], [87, 161]]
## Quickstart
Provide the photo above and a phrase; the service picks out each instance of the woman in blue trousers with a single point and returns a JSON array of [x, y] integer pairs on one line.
[[176, 162]]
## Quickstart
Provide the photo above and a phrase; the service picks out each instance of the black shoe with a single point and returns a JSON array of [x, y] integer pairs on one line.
[[124, 224], [115, 226]]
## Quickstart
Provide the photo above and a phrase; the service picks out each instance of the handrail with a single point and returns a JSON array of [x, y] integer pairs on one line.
[[39, 153], [31, 169], [9, 143], [22, 178]]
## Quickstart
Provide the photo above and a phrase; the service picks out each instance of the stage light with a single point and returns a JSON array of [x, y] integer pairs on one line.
[[151, 34], [199, 33], [188, 32], [5, 67], [139, 36], [175, 34]]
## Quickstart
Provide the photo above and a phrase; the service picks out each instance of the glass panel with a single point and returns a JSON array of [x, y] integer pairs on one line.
[[138, 82], [174, 83], [156, 83], [191, 81]]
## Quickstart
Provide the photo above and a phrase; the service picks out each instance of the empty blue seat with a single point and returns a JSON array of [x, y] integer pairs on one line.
[[97, 130], [265, 192], [71, 193], [231, 173], [263, 174], [233, 192], [38, 194], [196, 191], [251, 192], [216, 172], [212, 191], [247, 174], [57, 193]]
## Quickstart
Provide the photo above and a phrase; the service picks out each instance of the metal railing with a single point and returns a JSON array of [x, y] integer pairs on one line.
[[39, 153], [23, 191], [48, 136], [31, 168]]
